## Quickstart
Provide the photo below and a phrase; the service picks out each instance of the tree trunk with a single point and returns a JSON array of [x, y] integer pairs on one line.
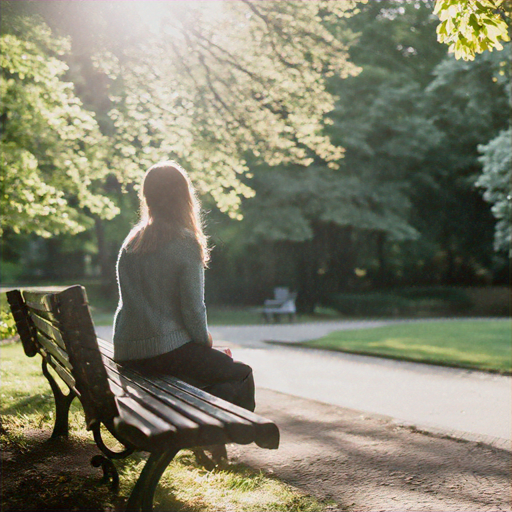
[[107, 268], [381, 277], [342, 260], [308, 292]]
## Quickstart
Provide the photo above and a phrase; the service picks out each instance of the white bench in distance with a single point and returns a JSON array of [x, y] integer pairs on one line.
[[283, 303]]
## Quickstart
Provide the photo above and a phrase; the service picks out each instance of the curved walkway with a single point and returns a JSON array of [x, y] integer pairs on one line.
[[462, 403]]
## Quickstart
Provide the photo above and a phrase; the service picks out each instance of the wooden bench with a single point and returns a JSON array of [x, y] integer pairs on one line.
[[283, 303], [159, 415]]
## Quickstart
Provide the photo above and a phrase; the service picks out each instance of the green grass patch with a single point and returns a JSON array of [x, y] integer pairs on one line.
[[477, 344], [218, 315], [27, 404]]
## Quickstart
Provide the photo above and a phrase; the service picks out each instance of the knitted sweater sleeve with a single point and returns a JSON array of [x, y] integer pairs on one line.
[[192, 298]]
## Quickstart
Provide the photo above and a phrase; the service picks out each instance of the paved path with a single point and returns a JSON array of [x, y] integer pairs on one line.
[[466, 404], [367, 463]]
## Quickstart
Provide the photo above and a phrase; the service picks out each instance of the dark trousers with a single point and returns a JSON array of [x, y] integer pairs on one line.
[[206, 368]]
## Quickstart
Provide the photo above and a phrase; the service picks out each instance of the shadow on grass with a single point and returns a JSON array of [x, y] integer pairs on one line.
[[21, 403], [50, 475]]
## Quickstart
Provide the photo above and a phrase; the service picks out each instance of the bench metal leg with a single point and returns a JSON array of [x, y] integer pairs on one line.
[[110, 473], [126, 452], [62, 404], [141, 498]]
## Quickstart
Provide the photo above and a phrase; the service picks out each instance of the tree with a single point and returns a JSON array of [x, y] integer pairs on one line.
[[473, 26], [496, 180], [470, 106], [222, 95], [210, 84], [51, 148], [402, 207], [319, 224]]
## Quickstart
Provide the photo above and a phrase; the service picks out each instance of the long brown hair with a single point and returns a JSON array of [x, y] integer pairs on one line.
[[168, 209]]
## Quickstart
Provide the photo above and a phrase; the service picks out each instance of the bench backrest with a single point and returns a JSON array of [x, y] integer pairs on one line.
[[281, 293], [60, 328]]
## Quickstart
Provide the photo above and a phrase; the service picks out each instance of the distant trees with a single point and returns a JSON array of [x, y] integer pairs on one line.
[[496, 180], [470, 27], [403, 206]]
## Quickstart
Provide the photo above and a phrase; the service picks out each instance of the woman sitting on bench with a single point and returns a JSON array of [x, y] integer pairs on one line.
[[160, 325]]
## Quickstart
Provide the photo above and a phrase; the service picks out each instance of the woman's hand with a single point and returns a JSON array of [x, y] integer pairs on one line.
[[226, 351]]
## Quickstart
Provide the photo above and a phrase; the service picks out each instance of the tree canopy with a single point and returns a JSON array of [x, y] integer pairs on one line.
[[228, 80], [469, 27], [208, 84], [51, 148], [358, 153]]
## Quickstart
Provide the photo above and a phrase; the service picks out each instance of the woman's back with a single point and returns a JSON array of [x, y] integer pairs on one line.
[[161, 303]]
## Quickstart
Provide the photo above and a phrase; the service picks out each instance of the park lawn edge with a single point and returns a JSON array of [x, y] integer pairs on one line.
[[432, 362]]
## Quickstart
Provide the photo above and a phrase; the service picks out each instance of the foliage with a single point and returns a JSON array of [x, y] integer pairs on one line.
[[51, 147], [403, 302], [372, 119], [7, 325], [496, 179], [168, 80], [478, 344], [321, 219], [473, 26], [469, 104], [402, 208], [211, 84]]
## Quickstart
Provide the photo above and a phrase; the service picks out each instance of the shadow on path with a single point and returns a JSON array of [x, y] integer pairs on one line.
[[369, 463]]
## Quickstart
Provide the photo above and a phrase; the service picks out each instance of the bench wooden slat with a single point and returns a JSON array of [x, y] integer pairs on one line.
[[267, 433], [82, 347], [210, 428], [186, 398], [140, 426], [43, 304], [188, 431], [51, 331], [40, 301], [61, 372], [23, 324], [47, 315], [54, 350], [240, 431]]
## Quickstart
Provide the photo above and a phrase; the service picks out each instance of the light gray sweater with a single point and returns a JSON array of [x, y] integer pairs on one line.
[[161, 300]]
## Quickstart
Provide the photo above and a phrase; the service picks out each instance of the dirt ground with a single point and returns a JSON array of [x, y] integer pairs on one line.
[[370, 463], [53, 475], [361, 462]]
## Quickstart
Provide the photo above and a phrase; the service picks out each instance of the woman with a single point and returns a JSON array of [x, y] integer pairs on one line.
[[160, 325]]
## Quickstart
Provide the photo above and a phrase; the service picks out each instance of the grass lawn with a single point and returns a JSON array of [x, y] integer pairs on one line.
[[27, 404], [483, 345], [218, 315]]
